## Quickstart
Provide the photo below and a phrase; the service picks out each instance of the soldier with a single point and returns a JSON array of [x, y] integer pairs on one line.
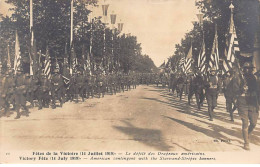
[[180, 85], [229, 94], [79, 85], [29, 88], [43, 93], [212, 88], [246, 88], [56, 88], [198, 87], [20, 94], [7, 91], [99, 83]]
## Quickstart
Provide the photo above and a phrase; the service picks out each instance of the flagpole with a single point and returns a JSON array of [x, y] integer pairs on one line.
[[71, 22], [31, 15]]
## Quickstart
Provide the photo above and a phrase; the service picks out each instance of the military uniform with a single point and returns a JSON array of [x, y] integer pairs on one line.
[[7, 91], [212, 88], [43, 93], [180, 86], [20, 94], [57, 88], [29, 89], [246, 88], [229, 94]]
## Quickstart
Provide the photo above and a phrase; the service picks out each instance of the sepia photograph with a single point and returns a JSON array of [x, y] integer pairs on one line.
[[129, 81]]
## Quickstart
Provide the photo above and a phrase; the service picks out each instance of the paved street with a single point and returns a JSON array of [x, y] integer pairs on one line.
[[145, 119]]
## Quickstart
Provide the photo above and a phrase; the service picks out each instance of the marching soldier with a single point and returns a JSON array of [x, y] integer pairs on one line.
[[180, 85], [246, 89], [43, 92], [212, 88], [56, 88], [29, 88], [7, 91], [20, 94], [79, 85], [229, 94]]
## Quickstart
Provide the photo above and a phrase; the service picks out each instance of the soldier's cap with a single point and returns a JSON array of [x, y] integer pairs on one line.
[[248, 65]]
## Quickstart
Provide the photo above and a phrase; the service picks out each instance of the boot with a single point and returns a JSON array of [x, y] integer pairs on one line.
[[18, 115], [231, 117]]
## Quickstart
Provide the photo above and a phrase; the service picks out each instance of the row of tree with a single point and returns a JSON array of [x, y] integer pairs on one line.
[[216, 12], [52, 28]]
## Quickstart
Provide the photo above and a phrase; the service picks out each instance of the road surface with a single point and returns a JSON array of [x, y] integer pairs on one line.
[[148, 118]]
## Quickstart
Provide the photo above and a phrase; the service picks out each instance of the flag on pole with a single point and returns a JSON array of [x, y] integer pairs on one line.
[[188, 61], [17, 59], [47, 64], [88, 63], [9, 66], [71, 21], [214, 57], [84, 58], [73, 61], [31, 15], [202, 58], [232, 41]]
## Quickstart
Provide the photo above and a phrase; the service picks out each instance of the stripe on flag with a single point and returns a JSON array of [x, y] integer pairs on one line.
[[47, 64], [214, 57], [17, 59]]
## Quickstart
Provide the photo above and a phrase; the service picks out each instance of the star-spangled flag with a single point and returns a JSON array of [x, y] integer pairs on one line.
[[17, 59], [231, 41], [202, 58], [214, 57], [47, 64], [188, 61], [73, 60]]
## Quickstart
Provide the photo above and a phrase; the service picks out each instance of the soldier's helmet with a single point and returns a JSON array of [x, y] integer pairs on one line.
[[248, 65]]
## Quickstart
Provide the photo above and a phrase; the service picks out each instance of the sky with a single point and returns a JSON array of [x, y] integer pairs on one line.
[[158, 24]]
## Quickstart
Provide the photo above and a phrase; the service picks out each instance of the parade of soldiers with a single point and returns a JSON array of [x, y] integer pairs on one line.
[[51, 86]]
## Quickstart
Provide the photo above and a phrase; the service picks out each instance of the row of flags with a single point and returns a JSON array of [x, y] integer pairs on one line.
[[231, 50]]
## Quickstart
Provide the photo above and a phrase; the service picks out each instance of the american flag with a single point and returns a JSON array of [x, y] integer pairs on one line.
[[8, 57], [214, 57], [188, 61], [202, 58], [181, 61], [17, 59], [73, 61], [232, 43], [47, 64]]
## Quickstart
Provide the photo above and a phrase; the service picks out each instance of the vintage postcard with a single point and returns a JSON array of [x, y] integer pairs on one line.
[[129, 81]]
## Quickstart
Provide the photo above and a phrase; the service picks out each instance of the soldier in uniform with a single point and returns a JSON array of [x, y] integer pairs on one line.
[[229, 94], [79, 85], [180, 85], [212, 88], [43, 93], [7, 91], [246, 88], [56, 88], [20, 94], [29, 88]]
